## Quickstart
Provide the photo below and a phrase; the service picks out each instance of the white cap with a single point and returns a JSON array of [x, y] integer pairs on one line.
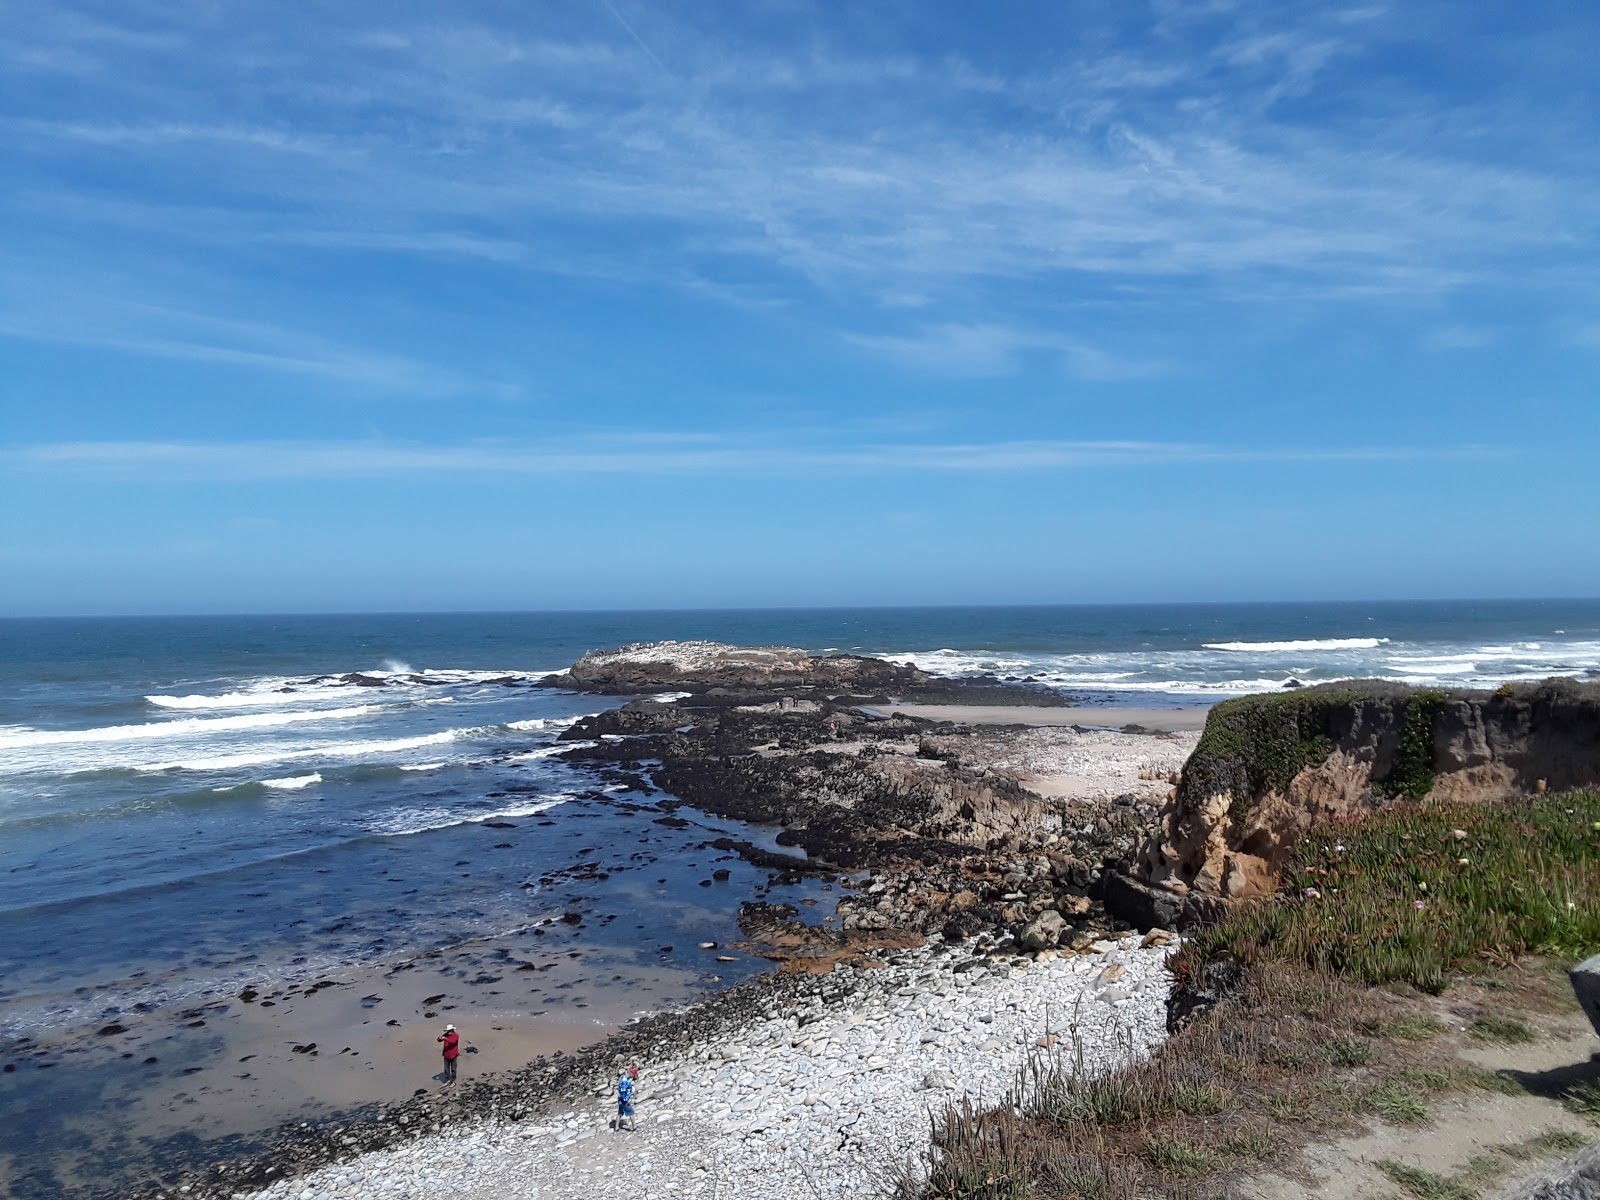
[[449, 1028]]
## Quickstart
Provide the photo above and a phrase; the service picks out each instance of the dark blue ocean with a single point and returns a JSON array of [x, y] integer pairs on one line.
[[188, 803]]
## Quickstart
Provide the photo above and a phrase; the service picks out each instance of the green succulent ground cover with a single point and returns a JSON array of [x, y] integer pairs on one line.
[[1420, 892]]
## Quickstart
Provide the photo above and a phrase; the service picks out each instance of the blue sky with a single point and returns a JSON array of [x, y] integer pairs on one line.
[[597, 303]]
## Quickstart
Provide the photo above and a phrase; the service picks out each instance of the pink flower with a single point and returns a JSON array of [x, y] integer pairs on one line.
[[1419, 905]]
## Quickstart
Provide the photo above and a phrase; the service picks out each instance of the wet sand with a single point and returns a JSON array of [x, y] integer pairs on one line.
[[1163, 720], [129, 1088], [232, 1066]]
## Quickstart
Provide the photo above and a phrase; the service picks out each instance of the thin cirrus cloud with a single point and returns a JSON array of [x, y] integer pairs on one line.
[[987, 351], [156, 331], [1142, 164], [662, 454]]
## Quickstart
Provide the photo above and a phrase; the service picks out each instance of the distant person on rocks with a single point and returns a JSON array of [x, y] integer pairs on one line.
[[452, 1050], [625, 1099]]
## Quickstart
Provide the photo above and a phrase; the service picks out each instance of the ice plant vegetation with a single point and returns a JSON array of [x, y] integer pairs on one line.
[[1529, 882]]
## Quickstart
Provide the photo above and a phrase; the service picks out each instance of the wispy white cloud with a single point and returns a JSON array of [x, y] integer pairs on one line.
[[662, 454], [984, 351], [748, 150], [1127, 168], [161, 332]]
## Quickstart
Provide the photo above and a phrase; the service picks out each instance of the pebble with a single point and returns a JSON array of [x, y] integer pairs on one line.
[[800, 1114]]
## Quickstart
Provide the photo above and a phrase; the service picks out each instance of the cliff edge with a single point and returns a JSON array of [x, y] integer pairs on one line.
[[1269, 767]]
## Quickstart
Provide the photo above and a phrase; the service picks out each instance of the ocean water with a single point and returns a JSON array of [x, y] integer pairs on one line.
[[152, 768], [191, 803]]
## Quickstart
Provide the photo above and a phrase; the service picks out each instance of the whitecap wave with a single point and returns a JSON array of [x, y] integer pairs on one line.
[[433, 766], [231, 762], [293, 782], [188, 727], [534, 724], [255, 699], [1291, 647]]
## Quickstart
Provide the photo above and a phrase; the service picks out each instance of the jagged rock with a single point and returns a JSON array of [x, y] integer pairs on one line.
[[782, 675]]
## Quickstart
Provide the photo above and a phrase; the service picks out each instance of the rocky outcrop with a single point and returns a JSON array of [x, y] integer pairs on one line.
[[744, 675], [951, 849], [1270, 767]]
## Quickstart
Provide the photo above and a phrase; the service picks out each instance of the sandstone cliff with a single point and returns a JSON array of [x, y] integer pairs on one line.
[[1270, 767]]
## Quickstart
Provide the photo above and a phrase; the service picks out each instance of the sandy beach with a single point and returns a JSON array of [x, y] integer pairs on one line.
[[1156, 720]]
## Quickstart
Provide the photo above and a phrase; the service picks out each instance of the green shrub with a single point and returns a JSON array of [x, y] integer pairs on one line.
[[1412, 773], [1255, 744]]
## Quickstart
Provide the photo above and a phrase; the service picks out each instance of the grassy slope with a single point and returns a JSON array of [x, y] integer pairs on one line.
[[1332, 1017]]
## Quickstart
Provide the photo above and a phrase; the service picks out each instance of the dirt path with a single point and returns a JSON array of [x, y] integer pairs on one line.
[[1475, 1143]]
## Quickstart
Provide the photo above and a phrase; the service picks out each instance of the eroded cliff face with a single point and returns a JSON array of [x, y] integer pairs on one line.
[[1269, 768]]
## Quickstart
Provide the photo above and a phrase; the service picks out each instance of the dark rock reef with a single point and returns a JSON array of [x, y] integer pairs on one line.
[[711, 669], [944, 847]]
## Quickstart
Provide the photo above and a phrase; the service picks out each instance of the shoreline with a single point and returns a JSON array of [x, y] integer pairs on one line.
[[356, 1043], [832, 1071], [496, 1108]]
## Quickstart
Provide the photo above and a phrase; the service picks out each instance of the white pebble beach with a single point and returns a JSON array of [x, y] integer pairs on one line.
[[817, 1101]]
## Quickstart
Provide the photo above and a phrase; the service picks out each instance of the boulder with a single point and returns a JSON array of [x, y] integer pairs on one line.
[[1141, 905], [1044, 931], [1576, 1178], [1271, 767], [1586, 986]]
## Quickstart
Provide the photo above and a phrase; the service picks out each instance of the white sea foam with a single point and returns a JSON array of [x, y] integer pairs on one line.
[[188, 727], [255, 699], [230, 762], [535, 724], [274, 691], [435, 766], [1183, 687], [293, 782], [402, 822], [1296, 646], [1513, 651], [551, 751], [963, 662]]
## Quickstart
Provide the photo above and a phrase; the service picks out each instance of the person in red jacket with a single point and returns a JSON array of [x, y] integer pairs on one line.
[[452, 1049]]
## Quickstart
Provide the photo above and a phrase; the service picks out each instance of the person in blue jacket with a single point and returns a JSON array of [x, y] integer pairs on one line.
[[625, 1099]]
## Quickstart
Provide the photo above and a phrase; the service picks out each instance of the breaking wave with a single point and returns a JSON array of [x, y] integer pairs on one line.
[[1305, 644]]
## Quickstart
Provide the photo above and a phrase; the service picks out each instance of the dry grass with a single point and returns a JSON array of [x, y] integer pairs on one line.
[[1307, 1046], [1225, 1093]]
